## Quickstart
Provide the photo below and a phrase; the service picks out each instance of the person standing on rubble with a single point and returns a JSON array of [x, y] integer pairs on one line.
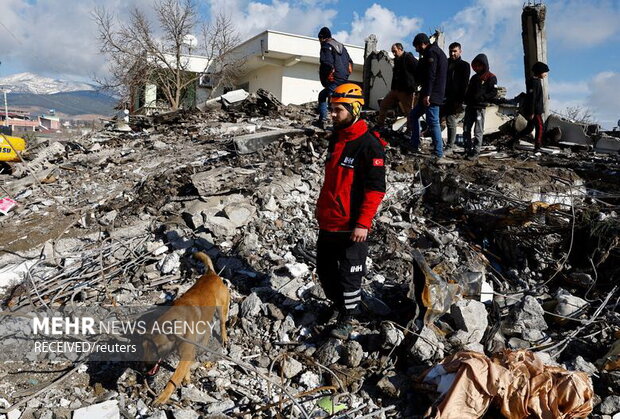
[[352, 190], [335, 66], [456, 85], [432, 74], [533, 106], [481, 90], [403, 84]]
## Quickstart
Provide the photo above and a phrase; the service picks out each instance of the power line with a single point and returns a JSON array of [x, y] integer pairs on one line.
[[9, 31]]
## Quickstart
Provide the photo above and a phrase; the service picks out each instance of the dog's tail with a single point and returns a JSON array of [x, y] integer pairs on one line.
[[205, 259]]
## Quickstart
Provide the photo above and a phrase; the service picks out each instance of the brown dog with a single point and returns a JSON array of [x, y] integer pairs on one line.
[[196, 307]]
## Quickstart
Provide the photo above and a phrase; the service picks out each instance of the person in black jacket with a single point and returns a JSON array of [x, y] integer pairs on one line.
[[533, 106], [481, 90], [431, 75], [456, 85], [335, 65], [403, 83]]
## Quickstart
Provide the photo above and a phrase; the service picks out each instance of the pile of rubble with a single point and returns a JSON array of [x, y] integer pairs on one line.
[[513, 252]]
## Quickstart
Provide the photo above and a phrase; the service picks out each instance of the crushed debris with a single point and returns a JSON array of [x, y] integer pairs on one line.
[[514, 251]]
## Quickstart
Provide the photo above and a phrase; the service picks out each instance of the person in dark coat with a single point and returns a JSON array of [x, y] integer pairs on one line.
[[431, 75], [482, 89], [456, 86], [403, 83], [533, 105], [335, 65]]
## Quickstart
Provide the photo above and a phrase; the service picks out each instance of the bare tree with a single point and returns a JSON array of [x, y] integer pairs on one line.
[[579, 114], [139, 51], [221, 37]]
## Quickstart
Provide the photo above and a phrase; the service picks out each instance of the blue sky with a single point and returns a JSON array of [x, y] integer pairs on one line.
[[58, 37]]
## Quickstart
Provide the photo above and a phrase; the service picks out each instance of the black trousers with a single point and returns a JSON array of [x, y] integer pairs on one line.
[[341, 264]]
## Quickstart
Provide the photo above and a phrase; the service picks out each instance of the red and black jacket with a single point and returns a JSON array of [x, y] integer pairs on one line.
[[354, 179]]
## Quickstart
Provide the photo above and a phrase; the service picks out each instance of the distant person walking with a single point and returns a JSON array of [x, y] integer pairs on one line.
[[335, 65], [456, 86], [481, 90], [533, 106], [403, 84], [432, 74]]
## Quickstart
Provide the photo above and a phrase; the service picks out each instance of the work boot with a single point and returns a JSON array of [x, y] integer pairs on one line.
[[472, 156], [342, 328], [329, 315]]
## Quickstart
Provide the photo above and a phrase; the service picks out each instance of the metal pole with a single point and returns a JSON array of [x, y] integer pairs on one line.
[[6, 107], [6, 110]]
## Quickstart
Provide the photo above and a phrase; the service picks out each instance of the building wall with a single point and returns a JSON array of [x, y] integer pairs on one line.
[[150, 95], [380, 79], [305, 46], [50, 124], [300, 83], [268, 78]]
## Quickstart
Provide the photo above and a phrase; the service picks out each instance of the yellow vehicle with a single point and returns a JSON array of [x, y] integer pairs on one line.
[[8, 147]]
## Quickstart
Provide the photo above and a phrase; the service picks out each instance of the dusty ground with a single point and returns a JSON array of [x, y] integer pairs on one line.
[[116, 198]]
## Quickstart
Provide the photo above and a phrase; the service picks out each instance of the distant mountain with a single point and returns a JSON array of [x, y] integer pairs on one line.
[[39, 85], [70, 103]]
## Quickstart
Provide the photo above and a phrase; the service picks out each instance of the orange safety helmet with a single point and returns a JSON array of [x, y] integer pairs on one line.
[[348, 93]]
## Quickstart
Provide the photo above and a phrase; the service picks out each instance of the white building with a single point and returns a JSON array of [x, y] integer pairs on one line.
[[284, 64], [287, 65]]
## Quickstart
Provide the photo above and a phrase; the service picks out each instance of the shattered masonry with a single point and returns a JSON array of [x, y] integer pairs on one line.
[[512, 253]]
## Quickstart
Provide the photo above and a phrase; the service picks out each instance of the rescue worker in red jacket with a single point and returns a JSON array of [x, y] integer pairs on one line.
[[353, 188]]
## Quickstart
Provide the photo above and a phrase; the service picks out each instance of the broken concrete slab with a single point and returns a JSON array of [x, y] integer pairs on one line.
[[470, 316], [427, 346], [219, 180], [251, 305], [529, 314], [221, 227], [251, 143], [568, 305], [11, 275], [105, 410], [607, 145], [290, 367], [234, 96], [571, 133], [240, 213], [352, 353], [16, 186]]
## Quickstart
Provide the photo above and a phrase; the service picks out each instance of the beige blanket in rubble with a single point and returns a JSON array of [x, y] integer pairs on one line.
[[518, 381]]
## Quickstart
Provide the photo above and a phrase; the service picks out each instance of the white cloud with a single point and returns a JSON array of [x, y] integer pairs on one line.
[[52, 38], [564, 94], [604, 98], [582, 24], [492, 27], [560, 88], [59, 38], [384, 23], [252, 17], [596, 94]]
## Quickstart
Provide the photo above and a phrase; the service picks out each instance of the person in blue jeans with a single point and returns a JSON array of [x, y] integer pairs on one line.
[[324, 95], [432, 75], [335, 65]]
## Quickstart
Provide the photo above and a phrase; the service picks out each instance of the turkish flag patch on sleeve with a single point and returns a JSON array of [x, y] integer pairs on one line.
[[377, 162]]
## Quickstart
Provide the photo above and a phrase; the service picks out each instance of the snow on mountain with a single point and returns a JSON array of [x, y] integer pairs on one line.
[[35, 84]]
